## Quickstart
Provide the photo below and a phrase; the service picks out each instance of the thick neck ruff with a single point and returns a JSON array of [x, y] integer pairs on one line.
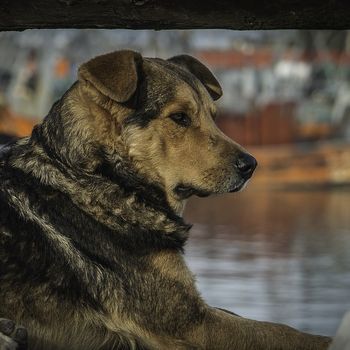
[[132, 211]]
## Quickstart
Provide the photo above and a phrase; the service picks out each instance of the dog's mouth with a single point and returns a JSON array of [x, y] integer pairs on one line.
[[238, 187], [186, 191]]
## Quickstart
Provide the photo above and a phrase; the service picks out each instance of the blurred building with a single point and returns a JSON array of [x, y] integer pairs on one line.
[[296, 80], [280, 87]]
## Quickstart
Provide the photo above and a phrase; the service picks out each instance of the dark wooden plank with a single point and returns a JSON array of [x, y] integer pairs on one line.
[[175, 14]]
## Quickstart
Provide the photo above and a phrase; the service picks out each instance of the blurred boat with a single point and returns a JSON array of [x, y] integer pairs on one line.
[[320, 165], [290, 154], [15, 125]]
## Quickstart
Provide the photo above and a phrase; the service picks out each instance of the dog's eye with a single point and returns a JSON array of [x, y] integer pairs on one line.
[[181, 118]]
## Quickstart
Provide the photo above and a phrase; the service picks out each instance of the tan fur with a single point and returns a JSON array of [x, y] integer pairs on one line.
[[202, 153]]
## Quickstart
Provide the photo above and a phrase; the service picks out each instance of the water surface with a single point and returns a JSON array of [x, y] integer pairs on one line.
[[274, 255]]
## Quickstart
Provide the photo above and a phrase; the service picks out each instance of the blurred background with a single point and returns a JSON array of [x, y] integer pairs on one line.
[[279, 250]]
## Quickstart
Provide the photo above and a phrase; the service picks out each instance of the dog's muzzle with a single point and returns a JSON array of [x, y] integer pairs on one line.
[[244, 166]]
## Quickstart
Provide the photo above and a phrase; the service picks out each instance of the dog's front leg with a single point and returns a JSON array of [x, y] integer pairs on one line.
[[12, 337], [221, 330], [166, 311]]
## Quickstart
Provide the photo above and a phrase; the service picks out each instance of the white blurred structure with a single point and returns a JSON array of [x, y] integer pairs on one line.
[[319, 88], [342, 338]]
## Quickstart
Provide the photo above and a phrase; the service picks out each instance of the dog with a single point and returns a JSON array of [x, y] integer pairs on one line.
[[91, 229]]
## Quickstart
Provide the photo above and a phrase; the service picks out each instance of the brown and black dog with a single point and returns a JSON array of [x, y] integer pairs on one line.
[[91, 233]]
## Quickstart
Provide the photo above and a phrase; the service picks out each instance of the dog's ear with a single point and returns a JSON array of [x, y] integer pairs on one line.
[[199, 70], [114, 74]]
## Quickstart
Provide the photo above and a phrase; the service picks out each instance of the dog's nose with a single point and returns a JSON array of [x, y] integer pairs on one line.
[[245, 165]]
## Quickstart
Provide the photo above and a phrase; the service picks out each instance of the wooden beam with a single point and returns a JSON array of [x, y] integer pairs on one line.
[[175, 14]]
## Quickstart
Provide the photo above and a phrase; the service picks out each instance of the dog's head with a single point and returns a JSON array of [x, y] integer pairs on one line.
[[160, 114]]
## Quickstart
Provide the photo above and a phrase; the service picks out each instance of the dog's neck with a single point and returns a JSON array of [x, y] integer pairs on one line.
[[108, 197], [122, 172]]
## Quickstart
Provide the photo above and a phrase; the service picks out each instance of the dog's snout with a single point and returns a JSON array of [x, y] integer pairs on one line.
[[245, 165]]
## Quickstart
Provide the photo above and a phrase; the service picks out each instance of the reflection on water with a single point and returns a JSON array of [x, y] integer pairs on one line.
[[276, 256]]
